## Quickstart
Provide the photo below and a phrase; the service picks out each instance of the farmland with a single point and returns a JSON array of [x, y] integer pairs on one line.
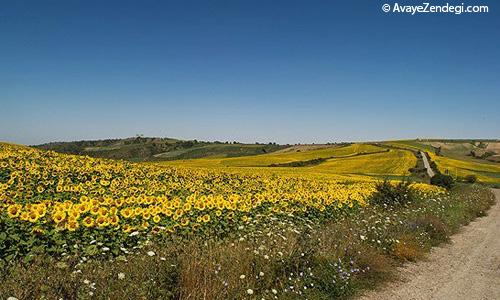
[[356, 161], [456, 162], [118, 229]]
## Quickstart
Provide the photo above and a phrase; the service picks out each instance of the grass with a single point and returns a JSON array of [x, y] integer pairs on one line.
[[283, 257]]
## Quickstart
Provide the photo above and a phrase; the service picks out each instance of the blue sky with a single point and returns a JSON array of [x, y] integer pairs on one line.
[[284, 71]]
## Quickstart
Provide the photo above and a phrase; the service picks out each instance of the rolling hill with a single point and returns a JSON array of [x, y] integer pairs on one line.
[[158, 149]]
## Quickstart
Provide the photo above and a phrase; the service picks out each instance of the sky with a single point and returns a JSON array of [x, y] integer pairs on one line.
[[250, 71]]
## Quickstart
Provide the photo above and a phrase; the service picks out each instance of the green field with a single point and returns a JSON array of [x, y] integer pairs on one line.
[[154, 149]]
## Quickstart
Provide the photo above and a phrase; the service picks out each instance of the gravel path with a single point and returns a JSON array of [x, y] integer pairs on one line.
[[430, 172], [468, 268]]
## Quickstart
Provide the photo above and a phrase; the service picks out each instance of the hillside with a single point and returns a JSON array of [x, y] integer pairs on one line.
[[454, 157], [357, 161], [158, 149]]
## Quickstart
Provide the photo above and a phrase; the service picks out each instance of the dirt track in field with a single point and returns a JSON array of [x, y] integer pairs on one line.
[[468, 268]]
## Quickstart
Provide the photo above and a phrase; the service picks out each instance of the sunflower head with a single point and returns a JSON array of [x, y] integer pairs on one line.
[[72, 225], [206, 218], [88, 222], [59, 216], [14, 210], [101, 221]]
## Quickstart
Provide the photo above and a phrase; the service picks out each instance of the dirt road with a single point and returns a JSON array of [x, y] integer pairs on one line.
[[468, 268], [427, 166]]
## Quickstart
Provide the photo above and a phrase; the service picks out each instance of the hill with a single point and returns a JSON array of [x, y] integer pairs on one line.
[[455, 157], [158, 149], [358, 161]]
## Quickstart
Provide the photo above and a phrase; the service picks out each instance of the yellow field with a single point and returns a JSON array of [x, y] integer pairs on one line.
[[393, 162], [353, 162], [485, 172], [264, 160], [65, 192]]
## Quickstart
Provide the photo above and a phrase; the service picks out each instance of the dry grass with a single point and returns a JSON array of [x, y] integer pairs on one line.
[[408, 249]]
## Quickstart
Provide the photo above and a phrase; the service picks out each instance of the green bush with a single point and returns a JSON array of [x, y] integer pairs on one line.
[[470, 178], [392, 194], [442, 180]]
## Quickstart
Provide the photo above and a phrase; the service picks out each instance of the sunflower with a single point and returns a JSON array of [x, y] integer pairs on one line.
[[74, 214], [155, 230], [24, 216], [37, 230], [126, 212], [185, 222], [114, 220], [58, 216], [33, 216], [127, 228], [83, 208], [101, 221], [113, 210], [146, 215], [156, 219], [14, 210], [88, 222], [103, 211], [206, 218], [195, 226], [72, 226], [94, 210]]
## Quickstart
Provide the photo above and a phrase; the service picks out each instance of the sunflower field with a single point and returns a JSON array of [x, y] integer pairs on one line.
[[49, 201]]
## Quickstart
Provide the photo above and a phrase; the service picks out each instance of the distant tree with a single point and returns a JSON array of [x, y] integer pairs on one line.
[[437, 150], [471, 178], [442, 180]]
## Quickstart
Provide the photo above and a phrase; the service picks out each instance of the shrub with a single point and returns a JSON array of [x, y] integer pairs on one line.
[[442, 180], [434, 227], [470, 178], [407, 249], [392, 194]]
